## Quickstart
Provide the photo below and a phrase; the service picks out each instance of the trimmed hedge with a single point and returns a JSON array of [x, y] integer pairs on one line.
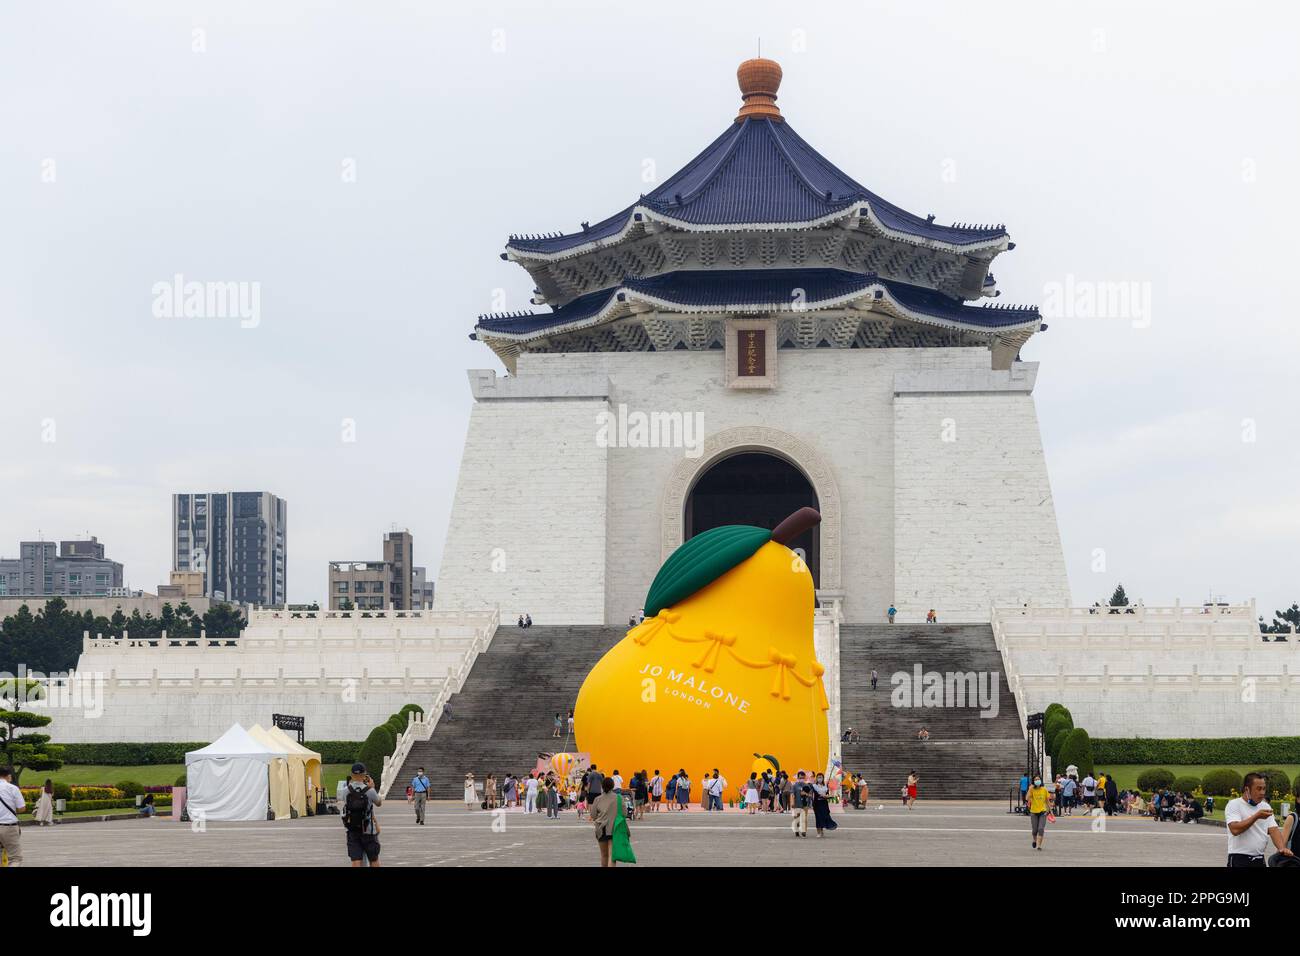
[[1188, 784], [1077, 750], [130, 788], [149, 754], [1199, 751], [378, 745], [1155, 778], [1221, 782], [74, 805], [1057, 742], [1057, 708]]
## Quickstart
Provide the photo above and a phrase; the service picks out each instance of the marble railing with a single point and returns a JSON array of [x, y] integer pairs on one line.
[[451, 684]]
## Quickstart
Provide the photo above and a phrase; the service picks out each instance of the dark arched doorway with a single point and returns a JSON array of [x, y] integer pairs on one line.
[[753, 488]]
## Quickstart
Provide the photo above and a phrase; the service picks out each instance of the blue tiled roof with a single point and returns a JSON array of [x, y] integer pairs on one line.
[[759, 172], [771, 289]]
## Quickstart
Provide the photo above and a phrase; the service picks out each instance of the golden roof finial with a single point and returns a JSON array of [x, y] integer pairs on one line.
[[759, 80]]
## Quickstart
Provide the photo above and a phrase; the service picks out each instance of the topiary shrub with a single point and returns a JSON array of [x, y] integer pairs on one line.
[[1155, 778], [397, 725], [1055, 724], [1221, 781], [1279, 783], [376, 747], [1077, 750], [180, 781], [1054, 709], [411, 707], [130, 788], [1187, 784], [1054, 749]]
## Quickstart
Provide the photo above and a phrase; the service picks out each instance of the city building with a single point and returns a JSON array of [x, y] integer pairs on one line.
[[76, 568], [184, 586], [390, 583], [236, 540], [421, 588]]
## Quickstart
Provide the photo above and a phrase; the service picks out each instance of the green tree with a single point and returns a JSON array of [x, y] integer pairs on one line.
[[49, 642], [1284, 622], [223, 621], [1119, 598], [25, 751]]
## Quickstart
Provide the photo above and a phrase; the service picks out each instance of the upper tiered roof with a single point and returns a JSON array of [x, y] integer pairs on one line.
[[759, 174], [755, 222]]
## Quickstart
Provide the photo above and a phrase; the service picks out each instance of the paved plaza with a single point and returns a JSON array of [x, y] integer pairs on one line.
[[934, 834]]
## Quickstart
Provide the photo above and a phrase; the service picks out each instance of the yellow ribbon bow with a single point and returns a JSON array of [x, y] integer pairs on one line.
[[646, 631], [709, 659], [784, 663]]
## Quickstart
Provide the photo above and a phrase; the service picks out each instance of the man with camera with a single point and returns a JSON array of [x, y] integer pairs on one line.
[[359, 820]]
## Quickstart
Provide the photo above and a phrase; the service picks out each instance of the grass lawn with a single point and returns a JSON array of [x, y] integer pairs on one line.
[[150, 775]]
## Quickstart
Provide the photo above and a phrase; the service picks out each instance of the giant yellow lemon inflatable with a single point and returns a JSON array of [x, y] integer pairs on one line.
[[721, 669]]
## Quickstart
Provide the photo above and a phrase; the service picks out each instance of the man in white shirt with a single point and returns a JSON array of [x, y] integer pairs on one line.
[[11, 804], [716, 786], [1089, 790], [1251, 825]]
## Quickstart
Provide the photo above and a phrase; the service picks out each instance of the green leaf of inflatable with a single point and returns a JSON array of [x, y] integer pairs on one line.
[[701, 561]]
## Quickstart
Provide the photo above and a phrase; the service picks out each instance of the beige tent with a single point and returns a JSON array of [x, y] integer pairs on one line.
[[281, 776], [310, 762]]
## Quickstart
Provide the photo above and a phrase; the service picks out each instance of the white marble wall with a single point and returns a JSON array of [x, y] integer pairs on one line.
[[1161, 672], [528, 524], [974, 521], [581, 525], [345, 675]]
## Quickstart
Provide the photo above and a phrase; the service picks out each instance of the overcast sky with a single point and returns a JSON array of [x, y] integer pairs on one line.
[[364, 162]]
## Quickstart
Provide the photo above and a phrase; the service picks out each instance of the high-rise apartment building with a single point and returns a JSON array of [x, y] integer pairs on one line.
[[237, 539]]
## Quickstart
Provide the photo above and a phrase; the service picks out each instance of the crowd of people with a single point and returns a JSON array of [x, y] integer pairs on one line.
[[768, 791], [1251, 822]]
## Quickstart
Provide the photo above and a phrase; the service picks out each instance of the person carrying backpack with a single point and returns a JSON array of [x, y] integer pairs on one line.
[[359, 816]]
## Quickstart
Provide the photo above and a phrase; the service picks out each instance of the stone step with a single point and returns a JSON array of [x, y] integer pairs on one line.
[[503, 715]]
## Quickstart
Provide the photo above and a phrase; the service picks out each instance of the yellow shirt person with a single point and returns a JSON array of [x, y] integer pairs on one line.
[[1037, 799]]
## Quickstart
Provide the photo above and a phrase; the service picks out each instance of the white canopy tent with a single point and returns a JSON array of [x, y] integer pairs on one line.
[[282, 772], [310, 762], [229, 779]]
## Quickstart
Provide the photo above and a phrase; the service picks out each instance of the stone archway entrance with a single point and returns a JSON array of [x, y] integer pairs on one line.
[[755, 488], [772, 441]]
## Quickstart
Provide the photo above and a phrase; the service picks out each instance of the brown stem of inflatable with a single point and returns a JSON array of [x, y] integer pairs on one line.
[[795, 525]]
